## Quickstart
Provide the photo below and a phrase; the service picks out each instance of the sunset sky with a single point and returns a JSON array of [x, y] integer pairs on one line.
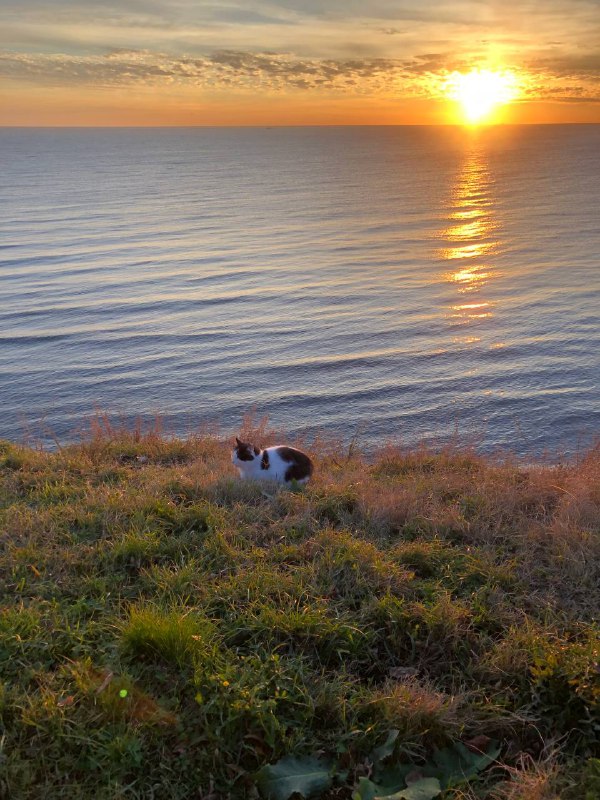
[[281, 62]]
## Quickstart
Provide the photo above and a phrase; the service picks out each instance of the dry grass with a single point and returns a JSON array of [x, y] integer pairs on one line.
[[531, 779], [441, 594]]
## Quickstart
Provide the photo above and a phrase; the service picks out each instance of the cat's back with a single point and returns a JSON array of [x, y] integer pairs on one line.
[[297, 465]]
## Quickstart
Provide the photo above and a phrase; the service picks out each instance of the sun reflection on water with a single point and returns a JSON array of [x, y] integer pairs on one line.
[[471, 250], [470, 238]]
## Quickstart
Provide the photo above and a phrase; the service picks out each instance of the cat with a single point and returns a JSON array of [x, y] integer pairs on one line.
[[280, 463]]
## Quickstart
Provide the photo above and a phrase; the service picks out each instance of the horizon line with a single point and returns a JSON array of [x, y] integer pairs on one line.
[[466, 126]]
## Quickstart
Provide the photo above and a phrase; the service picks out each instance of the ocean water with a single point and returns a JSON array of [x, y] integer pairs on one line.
[[405, 283]]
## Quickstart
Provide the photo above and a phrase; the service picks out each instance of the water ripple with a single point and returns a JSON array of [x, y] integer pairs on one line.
[[410, 281]]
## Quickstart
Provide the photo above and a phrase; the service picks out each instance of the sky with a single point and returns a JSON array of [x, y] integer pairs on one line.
[[291, 62]]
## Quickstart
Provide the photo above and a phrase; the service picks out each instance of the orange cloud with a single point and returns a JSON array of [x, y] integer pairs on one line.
[[245, 62]]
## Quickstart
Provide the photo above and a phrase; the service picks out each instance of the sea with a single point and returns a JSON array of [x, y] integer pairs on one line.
[[378, 285]]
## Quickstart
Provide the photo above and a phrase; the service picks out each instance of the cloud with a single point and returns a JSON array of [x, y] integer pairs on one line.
[[587, 64], [273, 73], [310, 28], [391, 48]]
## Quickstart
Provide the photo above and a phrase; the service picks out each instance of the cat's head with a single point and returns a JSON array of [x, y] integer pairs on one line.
[[244, 452]]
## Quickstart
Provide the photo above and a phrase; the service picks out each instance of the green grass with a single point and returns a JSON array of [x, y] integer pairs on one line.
[[167, 630]]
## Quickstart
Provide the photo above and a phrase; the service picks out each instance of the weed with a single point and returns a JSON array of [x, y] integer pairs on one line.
[[175, 637]]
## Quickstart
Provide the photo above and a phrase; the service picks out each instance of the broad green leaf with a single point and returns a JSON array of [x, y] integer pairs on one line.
[[366, 790], [386, 749], [387, 781], [307, 777], [425, 789], [457, 764], [394, 775], [450, 767]]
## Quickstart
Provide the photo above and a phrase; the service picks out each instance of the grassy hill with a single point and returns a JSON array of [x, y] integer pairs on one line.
[[166, 630]]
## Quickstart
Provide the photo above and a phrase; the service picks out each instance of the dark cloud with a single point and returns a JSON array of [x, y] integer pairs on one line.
[[268, 70], [587, 64], [114, 69], [236, 70]]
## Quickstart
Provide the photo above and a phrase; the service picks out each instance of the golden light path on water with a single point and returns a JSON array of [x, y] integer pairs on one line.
[[469, 243]]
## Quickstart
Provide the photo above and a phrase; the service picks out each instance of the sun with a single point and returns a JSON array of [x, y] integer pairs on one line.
[[480, 92]]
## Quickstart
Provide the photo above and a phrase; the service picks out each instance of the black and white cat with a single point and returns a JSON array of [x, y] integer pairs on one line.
[[282, 464]]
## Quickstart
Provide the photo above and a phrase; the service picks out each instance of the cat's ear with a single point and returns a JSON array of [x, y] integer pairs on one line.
[[237, 441], [256, 450]]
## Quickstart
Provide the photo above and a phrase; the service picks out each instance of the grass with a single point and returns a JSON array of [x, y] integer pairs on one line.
[[167, 630]]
